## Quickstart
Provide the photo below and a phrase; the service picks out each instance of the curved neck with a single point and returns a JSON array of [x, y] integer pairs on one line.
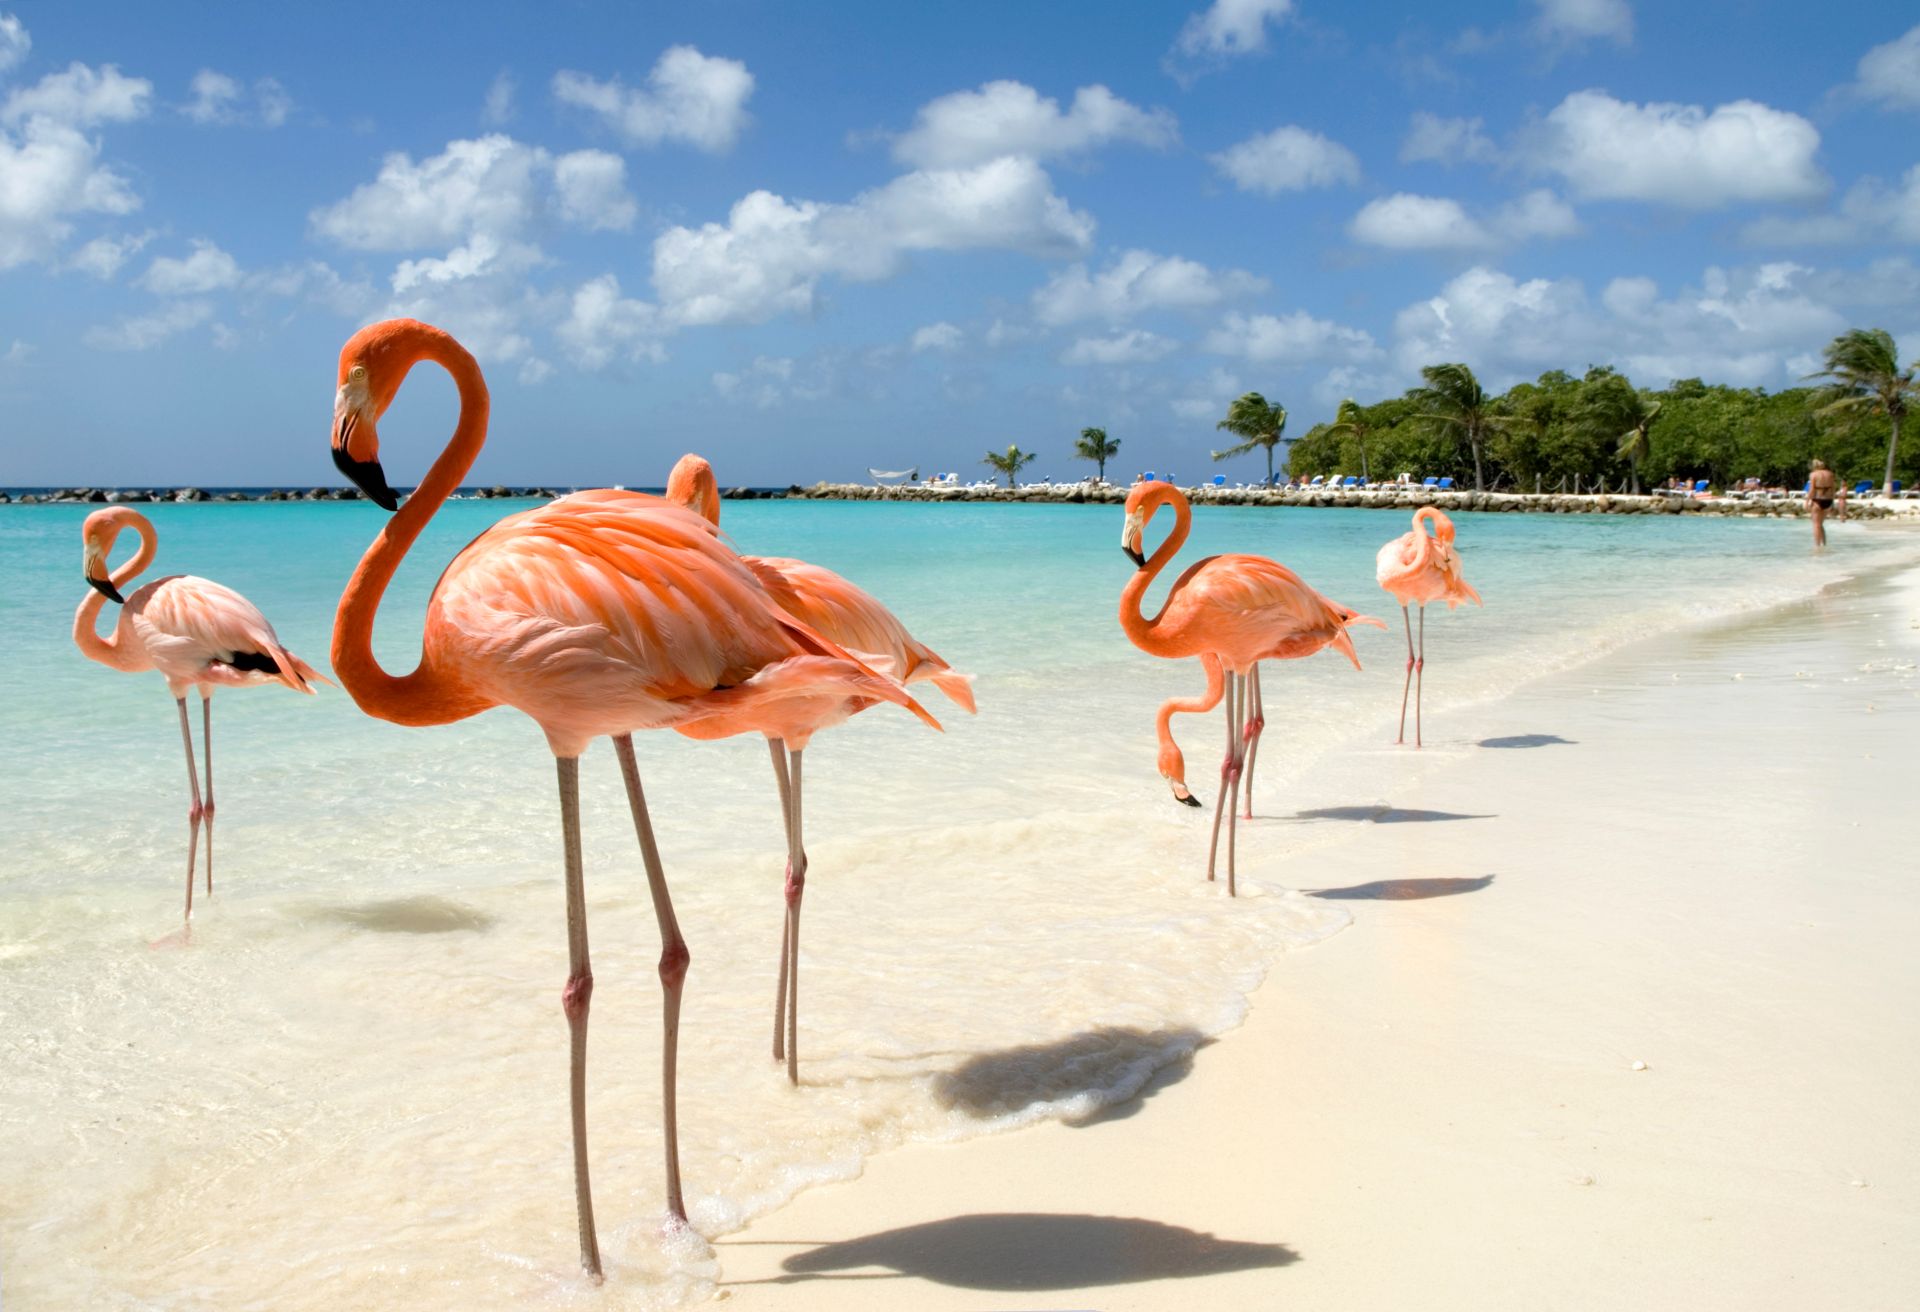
[[1138, 627], [1442, 531], [427, 695], [86, 619]]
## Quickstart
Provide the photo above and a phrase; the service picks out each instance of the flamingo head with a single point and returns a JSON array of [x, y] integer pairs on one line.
[[1140, 509], [1173, 768], [372, 365], [97, 536], [692, 484]]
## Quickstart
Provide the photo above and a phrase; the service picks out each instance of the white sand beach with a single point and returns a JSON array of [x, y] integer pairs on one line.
[[1625, 1018]]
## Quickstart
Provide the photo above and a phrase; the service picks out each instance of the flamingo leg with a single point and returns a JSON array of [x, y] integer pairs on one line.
[[777, 748], [1420, 675], [1256, 725], [1236, 747], [1226, 766], [1406, 687], [575, 999], [796, 888], [206, 744], [194, 810], [674, 959]]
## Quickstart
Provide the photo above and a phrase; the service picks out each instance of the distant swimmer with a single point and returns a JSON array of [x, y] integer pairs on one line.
[[1822, 490]]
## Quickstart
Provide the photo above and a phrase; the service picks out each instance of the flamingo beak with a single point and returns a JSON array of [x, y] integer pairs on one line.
[[1130, 539], [95, 567], [1182, 796], [106, 589], [366, 474]]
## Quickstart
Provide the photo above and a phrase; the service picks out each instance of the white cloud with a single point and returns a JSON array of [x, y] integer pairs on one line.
[[14, 43], [272, 101], [769, 256], [1231, 27], [103, 256], [590, 188], [1287, 159], [49, 171], [1682, 155], [1408, 222], [208, 269], [1890, 73], [1136, 282], [1207, 399], [1447, 141], [1539, 213], [941, 336], [1567, 22], [498, 108], [81, 97], [690, 97], [214, 98], [1011, 118], [484, 185], [602, 325], [143, 332], [771, 381], [1135, 347], [1295, 337], [1870, 211]]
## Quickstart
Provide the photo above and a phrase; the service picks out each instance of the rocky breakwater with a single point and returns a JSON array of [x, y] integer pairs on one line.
[[1394, 498]]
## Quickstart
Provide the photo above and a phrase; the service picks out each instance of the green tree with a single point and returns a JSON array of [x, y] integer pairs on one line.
[[1351, 421], [1010, 462], [1453, 401], [1611, 411], [1867, 379], [1258, 423], [1094, 444]]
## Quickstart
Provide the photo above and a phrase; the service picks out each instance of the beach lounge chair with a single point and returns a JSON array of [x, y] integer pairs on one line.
[[1316, 480], [1430, 481], [1700, 487], [1219, 480], [1350, 483], [1863, 487], [1446, 484]]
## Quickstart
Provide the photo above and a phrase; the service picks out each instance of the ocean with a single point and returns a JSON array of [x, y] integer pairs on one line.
[[349, 1087]]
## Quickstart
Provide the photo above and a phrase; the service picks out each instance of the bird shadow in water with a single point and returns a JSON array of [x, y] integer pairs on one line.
[[1402, 890], [1382, 815], [409, 915], [1529, 740], [1034, 1251], [1119, 1066]]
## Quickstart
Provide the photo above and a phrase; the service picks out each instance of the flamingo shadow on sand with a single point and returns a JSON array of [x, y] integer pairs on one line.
[[1403, 890], [1119, 1066], [1383, 815], [1034, 1251], [1528, 740], [408, 915]]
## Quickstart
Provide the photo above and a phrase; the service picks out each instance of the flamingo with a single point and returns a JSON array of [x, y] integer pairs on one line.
[[603, 612], [847, 615], [1238, 610], [197, 633], [1418, 567]]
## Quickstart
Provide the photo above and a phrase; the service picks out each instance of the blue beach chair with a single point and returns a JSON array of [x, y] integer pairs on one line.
[[1219, 480], [1446, 484], [1699, 487], [1430, 481], [1863, 487]]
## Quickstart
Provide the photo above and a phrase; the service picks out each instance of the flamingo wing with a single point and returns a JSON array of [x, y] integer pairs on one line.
[[187, 622]]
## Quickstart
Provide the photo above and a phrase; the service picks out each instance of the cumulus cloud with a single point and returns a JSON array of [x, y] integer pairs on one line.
[[590, 190], [1287, 159], [1890, 73], [14, 42], [941, 336], [1230, 27], [498, 107], [146, 331], [1870, 211], [770, 255], [1206, 399], [1447, 141], [1290, 338], [103, 256], [219, 99], [1136, 282], [1408, 222], [602, 326], [1681, 155], [1569, 22], [50, 170], [1011, 118], [81, 97], [208, 269], [1135, 347], [689, 97]]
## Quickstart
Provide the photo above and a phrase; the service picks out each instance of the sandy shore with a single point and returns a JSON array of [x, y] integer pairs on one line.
[[1696, 854]]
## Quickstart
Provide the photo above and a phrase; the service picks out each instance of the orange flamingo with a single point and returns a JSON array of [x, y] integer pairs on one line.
[[197, 633], [853, 618], [604, 612], [1237, 609], [1418, 567]]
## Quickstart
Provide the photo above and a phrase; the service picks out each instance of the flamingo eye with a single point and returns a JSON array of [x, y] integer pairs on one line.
[[357, 374]]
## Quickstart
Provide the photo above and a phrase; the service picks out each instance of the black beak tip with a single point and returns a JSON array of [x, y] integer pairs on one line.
[[1139, 560], [368, 477], [1188, 800], [107, 590]]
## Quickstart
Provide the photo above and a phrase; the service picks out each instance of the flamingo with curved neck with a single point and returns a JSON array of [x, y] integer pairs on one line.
[[601, 613], [857, 621], [1418, 567], [195, 632], [1238, 609]]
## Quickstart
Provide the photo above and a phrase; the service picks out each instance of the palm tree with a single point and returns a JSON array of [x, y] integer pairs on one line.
[[1095, 445], [1867, 377], [1612, 410], [1453, 399], [1010, 463], [1351, 421], [1260, 424]]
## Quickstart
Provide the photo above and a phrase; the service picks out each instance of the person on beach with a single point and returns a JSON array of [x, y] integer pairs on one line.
[[1822, 490]]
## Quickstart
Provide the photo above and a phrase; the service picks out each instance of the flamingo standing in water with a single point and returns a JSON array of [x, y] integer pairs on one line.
[[1236, 609], [600, 613], [847, 615], [1418, 567], [197, 633]]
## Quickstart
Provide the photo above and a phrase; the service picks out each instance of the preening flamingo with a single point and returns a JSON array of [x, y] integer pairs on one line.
[[1418, 567], [853, 618], [197, 633], [604, 612], [1237, 609]]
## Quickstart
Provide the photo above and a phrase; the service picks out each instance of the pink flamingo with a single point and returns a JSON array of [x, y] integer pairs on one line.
[[197, 633], [1418, 567], [604, 612], [853, 618], [1237, 609]]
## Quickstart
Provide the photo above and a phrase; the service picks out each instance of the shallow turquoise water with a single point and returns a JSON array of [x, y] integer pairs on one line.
[[361, 1052]]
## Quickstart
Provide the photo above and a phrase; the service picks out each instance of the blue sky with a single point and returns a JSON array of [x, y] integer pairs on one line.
[[803, 240]]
